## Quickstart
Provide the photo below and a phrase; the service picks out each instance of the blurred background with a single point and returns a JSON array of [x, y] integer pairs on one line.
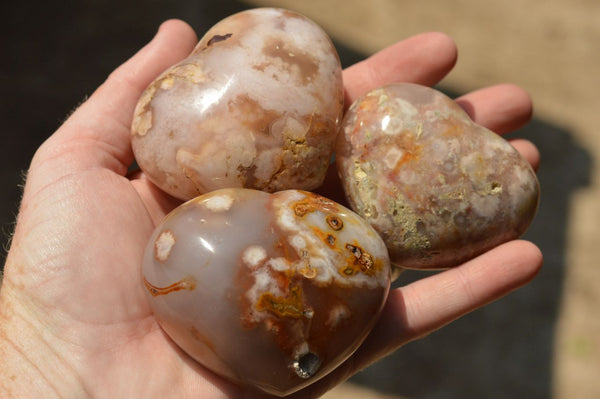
[[542, 341]]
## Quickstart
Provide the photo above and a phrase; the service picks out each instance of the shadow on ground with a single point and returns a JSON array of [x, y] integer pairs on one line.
[[58, 53]]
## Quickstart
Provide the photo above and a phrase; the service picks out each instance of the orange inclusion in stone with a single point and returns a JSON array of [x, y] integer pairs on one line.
[[313, 203], [188, 283], [290, 306], [360, 261]]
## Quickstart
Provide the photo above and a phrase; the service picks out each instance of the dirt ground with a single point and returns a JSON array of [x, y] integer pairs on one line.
[[542, 341]]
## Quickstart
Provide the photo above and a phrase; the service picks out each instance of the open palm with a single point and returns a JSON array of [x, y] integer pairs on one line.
[[74, 318]]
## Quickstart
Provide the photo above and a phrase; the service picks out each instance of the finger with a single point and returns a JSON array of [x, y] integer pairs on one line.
[[157, 202], [426, 305], [429, 304], [529, 151], [424, 59], [433, 302], [500, 108], [97, 134]]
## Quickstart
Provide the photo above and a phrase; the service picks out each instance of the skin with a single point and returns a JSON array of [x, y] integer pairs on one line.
[[74, 321]]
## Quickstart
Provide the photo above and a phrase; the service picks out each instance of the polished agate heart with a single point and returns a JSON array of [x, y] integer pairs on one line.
[[438, 188], [268, 290], [257, 104]]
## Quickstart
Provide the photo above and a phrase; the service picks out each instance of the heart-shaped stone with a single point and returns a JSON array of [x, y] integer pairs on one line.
[[438, 188], [257, 104], [269, 290]]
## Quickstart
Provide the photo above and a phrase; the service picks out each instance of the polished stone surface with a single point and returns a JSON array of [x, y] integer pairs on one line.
[[439, 188], [270, 290], [257, 104]]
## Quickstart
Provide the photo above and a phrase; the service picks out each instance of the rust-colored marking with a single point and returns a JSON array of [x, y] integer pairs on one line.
[[328, 238], [335, 222], [312, 203], [301, 209], [360, 261], [412, 153], [187, 283], [308, 271], [290, 306]]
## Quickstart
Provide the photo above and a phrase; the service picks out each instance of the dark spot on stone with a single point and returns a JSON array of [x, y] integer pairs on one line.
[[307, 365], [218, 38], [362, 259], [330, 240], [335, 222]]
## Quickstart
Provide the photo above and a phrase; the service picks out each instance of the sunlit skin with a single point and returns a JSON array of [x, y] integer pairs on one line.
[[74, 320]]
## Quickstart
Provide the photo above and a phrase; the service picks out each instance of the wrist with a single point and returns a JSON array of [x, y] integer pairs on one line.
[[31, 365]]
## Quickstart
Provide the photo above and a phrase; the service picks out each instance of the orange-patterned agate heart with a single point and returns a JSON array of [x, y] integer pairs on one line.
[[268, 290]]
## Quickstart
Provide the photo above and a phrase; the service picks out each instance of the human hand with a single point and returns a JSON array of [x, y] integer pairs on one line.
[[74, 320]]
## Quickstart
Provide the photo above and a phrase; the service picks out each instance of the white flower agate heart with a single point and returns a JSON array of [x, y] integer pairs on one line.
[[268, 290], [257, 104]]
